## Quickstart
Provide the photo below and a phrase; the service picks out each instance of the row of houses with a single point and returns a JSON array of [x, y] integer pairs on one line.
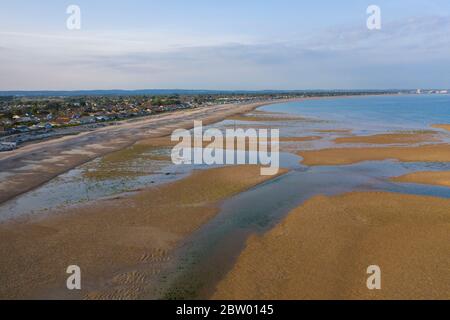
[[7, 146], [31, 128]]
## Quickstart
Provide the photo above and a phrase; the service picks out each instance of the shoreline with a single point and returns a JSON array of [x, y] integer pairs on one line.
[[35, 164], [27, 168], [133, 246]]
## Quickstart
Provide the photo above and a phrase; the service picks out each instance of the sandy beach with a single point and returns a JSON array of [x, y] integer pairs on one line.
[[204, 156], [113, 239], [342, 156], [442, 126], [265, 117], [438, 178], [30, 166], [320, 250], [323, 248], [391, 138]]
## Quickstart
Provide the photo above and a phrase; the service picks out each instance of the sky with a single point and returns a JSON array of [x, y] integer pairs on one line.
[[227, 44]]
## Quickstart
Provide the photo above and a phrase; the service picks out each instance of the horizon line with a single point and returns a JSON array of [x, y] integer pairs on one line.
[[221, 90]]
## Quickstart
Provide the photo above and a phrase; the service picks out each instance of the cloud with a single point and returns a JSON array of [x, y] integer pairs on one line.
[[412, 52]]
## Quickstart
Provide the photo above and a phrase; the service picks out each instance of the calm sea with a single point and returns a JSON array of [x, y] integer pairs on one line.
[[374, 113]]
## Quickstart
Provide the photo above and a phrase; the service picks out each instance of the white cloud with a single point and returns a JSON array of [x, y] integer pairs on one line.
[[344, 57]]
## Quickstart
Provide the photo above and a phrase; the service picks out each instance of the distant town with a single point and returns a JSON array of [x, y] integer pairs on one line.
[[26, 118]]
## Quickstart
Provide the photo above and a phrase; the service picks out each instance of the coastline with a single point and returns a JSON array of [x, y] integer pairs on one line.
[[45, 238], [127, 251], [33, 165]]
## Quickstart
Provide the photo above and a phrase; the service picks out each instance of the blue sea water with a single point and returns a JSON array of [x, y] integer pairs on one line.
[[374, 113]]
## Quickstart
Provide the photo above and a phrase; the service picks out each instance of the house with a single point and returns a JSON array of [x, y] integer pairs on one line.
[[23, 119], [87, 120], [74, 122], [102, 118], [35, 127], [61, 120], [22, 129], [7, 146]]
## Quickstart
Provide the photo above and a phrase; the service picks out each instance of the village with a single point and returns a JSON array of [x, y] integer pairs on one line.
[[27, 118], [24, 119]]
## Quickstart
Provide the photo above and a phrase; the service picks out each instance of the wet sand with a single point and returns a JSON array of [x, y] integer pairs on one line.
[[391, 138], [341, 156], [442, 126], [334, 131], [439, 178], [322, 251], [300, 139], [112, 239], [119, 164], [32, 165], [266, 117]]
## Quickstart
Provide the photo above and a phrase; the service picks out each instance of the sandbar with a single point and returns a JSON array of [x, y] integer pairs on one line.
[[341, 156], [390, 138], [439, 178], [442, 126], [323, 248], [265, 118]]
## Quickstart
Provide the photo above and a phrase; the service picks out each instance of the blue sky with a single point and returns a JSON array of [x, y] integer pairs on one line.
[[231, 44]]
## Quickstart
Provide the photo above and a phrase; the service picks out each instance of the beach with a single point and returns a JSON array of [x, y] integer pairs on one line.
[[113, 239], [390, 138], [30, 166], [205, 156], [342, 156], [440, 178], [343, 199], [324, 247]]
